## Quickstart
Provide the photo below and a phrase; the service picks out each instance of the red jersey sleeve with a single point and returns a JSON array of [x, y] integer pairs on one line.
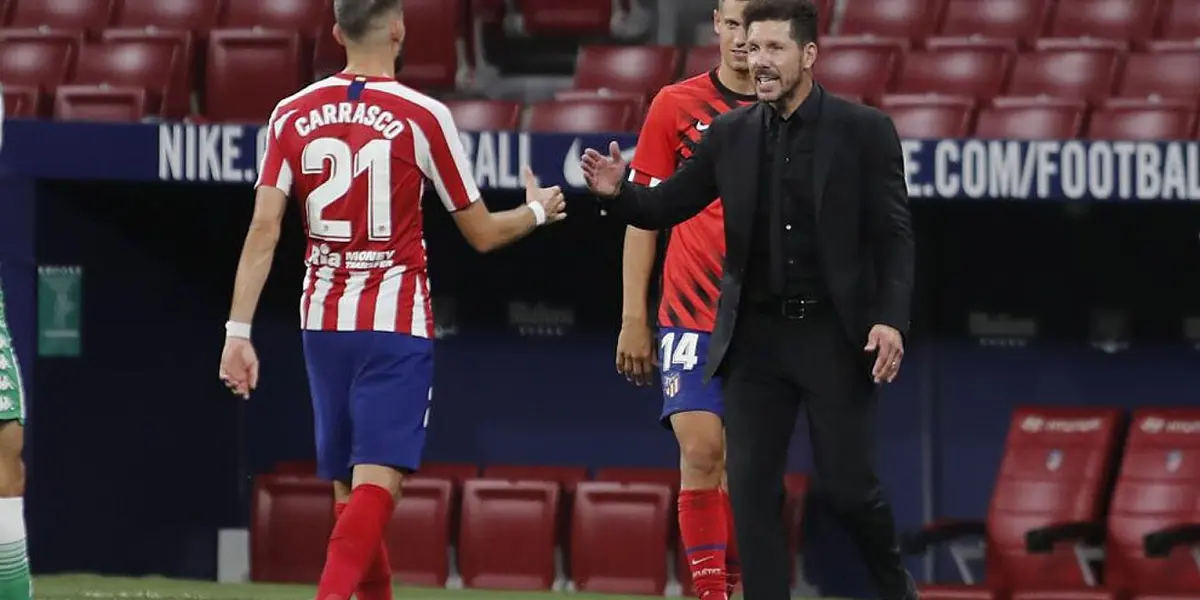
[[654, 159], [275, 171], [443, 161]]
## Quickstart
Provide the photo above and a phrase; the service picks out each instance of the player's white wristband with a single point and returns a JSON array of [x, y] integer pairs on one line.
[[539, 212], [237, 330]]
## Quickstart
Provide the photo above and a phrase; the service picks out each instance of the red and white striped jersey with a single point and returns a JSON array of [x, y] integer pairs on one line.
[[356, 152]]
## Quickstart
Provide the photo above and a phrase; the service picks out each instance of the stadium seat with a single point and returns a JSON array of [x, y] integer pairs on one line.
[[72, 15], [171, 15], [911, 19], [1169, 70], [1155, 494], [153, 67], [507, 539], [669, 477], [1071, 69], [432, 59], [249, 72], [176, 100], [701, 59], [858, 66], [1054, 480], [22, 101], [329, 56], [567, 477], [485, 115], [930, 116], [619, 537], [37, 59], [1119, 20], [302, 16], [644, 69], [957, 66], [602, 115], [1026, 118], [418, 535], [1181, 20], [290, 522], [100, 103], [455, 472], [1144, 120], [1021, 20], [558, 18], [637, 99]]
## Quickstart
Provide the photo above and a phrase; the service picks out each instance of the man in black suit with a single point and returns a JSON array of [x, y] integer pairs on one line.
[[818, 280]]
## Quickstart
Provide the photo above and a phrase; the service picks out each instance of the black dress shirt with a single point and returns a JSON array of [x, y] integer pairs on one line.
[[784, 262]]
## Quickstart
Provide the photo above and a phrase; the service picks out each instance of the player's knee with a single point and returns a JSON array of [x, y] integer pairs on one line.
[[701, 460], [12, 467], [388, 478]]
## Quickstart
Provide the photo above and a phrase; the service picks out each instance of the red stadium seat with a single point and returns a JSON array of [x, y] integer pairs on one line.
[[1055, 476], [1036, 118], [1140, 119], [858, 66], [455, 472], [602, 115], [418, 536], [22, 101], [302, 16], [290, 523], [639, 475], [957, 66], [329, 56], [644, 69], [100, 103], [171, 15], [1118, 20], [1181, 20], [619, 537], [558, 18], [1169, 70], [37, 58], [638, 100], [1155, 491], [431, 46], [249, 72], [508, 529], [912, 19], [701, 59], [567, 477], [154, 67], [485, 115], [1072, 69], [73, 15], [1010, 19], [930, 116], [177, 99]]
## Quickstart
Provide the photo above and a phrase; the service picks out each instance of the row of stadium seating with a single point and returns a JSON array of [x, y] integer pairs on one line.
[[1076, 514], [1123, 20], [611, 532], [153, 73]]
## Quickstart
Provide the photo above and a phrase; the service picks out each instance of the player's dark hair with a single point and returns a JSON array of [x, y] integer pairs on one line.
[[356, 18], [802, 14]]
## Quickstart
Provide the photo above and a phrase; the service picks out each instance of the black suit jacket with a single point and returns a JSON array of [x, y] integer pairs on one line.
[[864, 227]]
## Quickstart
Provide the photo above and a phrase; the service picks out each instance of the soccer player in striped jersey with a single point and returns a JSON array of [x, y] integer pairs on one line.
[[691, 276], [15, 581], [355, 150]]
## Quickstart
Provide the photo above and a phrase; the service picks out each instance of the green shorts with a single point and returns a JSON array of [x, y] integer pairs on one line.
[[12, 393]]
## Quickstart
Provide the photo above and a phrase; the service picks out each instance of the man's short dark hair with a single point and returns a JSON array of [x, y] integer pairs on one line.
[[357, 17], [802, 14]]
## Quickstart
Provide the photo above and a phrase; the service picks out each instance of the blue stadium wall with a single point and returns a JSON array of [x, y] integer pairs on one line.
[[137, 454]]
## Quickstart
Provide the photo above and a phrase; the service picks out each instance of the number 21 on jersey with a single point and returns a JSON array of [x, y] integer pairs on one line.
[[375, 160], [678, 350]]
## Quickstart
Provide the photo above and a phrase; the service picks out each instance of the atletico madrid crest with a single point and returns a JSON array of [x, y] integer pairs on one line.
[[671, 385]]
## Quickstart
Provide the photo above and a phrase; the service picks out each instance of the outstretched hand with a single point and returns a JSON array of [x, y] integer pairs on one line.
[[550, 198], [603, 174]]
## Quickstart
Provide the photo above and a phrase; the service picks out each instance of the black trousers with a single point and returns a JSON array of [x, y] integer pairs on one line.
[[775, 367]]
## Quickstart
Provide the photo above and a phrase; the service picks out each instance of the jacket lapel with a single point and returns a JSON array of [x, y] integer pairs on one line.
[[825, 142], [747, 143]]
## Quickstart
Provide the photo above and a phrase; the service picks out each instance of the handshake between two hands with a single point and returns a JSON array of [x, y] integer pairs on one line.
[[602, 174]]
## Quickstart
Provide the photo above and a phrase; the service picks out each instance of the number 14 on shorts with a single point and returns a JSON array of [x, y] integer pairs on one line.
[[679, 350]]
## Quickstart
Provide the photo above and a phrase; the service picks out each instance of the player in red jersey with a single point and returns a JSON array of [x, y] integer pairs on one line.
[[356, 150], [691, 277]]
